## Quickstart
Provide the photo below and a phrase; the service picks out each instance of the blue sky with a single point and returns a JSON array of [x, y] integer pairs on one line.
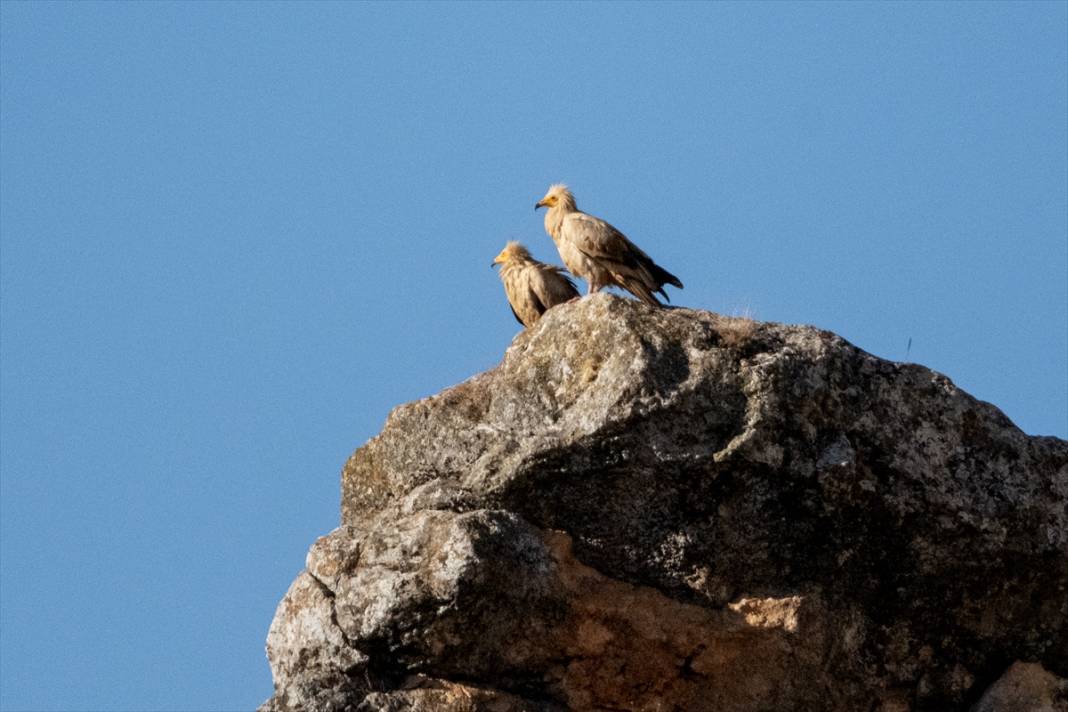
[[235, 235]]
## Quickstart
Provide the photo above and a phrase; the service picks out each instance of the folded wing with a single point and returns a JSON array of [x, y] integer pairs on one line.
[[629, 266], [535, 288], [550, 286]]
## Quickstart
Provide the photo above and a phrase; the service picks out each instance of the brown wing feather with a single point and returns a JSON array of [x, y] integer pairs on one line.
[[551, 286], [627, 262]]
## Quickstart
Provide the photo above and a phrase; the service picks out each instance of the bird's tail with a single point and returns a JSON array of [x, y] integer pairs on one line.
[[662, 276], [639, 289]]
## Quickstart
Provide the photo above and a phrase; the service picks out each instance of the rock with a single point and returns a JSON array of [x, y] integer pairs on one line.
[[310, 658], [422, 694], [1026, 687], [666, 509]]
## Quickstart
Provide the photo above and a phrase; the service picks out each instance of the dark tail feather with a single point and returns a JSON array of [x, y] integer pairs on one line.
[[662, 276], [638, 289]]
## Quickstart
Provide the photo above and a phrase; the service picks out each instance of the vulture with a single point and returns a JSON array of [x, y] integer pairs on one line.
[[532, 287], [597, 252]]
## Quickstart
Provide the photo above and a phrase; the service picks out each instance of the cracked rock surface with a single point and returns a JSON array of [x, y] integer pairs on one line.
[[662, 510]]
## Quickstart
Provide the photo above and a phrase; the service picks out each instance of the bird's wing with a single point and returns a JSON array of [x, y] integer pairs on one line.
[[525, 292], [517, 289], [514, 314], [600, 241], [551, 286]]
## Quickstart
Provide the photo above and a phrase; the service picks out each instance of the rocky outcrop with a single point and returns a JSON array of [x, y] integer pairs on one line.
[[645, 509]]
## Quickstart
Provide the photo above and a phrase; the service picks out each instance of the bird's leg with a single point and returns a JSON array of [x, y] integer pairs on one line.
[[591, 288]]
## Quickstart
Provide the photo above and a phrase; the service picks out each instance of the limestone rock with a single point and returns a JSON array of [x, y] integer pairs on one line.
[[654, 509]]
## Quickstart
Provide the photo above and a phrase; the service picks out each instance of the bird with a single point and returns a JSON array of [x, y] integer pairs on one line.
[[532, 287], [597, 252]]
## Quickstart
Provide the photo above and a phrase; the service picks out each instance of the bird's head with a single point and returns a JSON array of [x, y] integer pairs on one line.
[[557, 195], [512, 252]]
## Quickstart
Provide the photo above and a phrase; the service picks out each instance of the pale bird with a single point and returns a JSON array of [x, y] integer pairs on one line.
[[597, 252], [532, 287]]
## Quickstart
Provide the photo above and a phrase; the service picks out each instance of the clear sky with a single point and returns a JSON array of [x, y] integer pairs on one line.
[[234, 235]]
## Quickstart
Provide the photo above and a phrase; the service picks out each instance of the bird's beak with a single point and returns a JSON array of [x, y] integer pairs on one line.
[[494, 264], [539, 204]]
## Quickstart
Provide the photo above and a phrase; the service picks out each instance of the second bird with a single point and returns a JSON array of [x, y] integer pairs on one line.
[[532, 287], [597, 252]]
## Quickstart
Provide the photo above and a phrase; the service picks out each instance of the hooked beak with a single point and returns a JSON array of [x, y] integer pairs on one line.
[[539, 204], [493, 265]]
